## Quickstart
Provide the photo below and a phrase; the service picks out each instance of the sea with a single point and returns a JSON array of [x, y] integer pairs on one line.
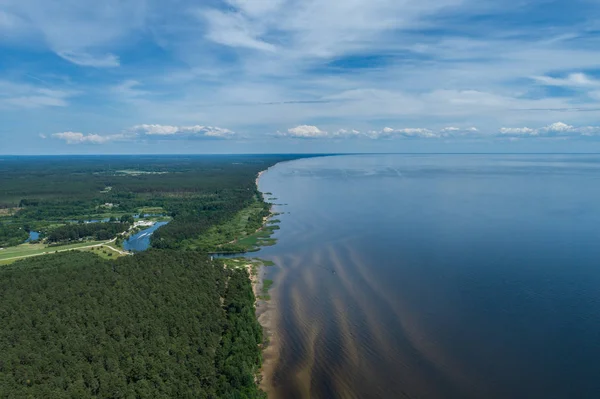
[[435, 276]]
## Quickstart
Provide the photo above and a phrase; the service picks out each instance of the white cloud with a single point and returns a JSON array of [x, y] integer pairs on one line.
[[347, 133], [305, 132], [558, 129], [327, 28], [259, 65], [19, 95], [160, 130], [149, 132], [211, 131], [76, 27], [313, 132], [314, 29], [146, 132], [80, 138], [450, 129], [86, 59], [234, 30], [256, 8], [423, 133], [518, 131], [453, 131], [190, 132], [406, 132], [573, 79]]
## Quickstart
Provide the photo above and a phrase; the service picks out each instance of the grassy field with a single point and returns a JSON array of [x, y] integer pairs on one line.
[[11, 254], [37, 249], [113, 245], [104, 251], [152, 210]]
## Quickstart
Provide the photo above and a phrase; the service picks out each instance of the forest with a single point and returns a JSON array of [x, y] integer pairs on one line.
[[161, 324], [196, 191], [166, 323], [11, 235], [96, 231]]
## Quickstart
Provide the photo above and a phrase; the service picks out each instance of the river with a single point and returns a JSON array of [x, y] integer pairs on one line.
[[141, 240], [435, 276]]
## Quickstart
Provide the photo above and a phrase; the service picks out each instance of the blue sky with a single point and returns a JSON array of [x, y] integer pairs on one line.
[[244, 76]]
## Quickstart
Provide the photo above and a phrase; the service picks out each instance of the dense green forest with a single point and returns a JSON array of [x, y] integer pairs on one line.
[[167, 323], [161, 324], [11, 235], [196, 191], [97, 231]]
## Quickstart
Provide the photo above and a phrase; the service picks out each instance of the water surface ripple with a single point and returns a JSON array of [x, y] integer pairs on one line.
[[436, 276]]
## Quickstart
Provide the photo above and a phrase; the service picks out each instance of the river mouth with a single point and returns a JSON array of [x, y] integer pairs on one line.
[[439, 276]]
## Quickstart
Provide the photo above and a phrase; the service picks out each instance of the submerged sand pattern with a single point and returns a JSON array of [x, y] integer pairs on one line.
[[406, 285]]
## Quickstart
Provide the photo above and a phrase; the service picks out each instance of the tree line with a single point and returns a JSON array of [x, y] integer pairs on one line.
[[79, 231], [197, 191], [167, 323]]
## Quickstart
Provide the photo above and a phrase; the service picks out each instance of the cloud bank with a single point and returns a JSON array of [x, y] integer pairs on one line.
[[149, 132], [80, 138], [558, 129], [315, 70], [313, 132], [156, 132]]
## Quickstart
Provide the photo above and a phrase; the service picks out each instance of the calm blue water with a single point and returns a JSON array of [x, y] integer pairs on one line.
[[440, 276], [33, 236], [141, 240]]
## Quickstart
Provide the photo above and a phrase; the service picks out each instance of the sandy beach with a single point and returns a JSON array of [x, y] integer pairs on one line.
[[265, 312], [258, 177]]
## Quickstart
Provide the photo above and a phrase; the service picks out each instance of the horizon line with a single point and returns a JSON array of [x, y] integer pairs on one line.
[[300, 154]]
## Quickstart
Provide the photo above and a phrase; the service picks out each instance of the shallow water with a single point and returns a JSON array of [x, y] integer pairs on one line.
[[438, 276]]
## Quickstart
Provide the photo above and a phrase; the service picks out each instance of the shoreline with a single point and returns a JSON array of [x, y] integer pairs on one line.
[[265, 312], [258, 177]]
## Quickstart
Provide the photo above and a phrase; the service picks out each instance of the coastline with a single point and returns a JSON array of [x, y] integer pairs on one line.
[[265, 312], [258, 177]]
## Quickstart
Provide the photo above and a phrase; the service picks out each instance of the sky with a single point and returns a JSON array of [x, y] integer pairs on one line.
[[292, 76]]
